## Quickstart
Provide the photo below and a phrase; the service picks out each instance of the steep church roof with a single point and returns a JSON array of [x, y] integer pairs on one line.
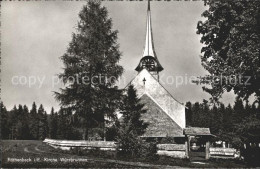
[[159, 122], [172, 107]]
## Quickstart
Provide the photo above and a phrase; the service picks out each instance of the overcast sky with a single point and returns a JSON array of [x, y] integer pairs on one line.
[[36, 33]]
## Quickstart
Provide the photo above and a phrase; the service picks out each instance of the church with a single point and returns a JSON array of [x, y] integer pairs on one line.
[[165, 114]]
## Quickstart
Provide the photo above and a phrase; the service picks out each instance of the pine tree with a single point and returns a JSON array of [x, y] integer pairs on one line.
[[21, 126], [92, 58], [34, 109], [13, 121], [188, 113], [195, 114], [227, 118], [221, 112], [24, 131], [214, 120], [34, 122], [61, 132], [205, 114], [248, 110], [239, 111], [42, 123], [53, 124], [5, 127], [132, 126]]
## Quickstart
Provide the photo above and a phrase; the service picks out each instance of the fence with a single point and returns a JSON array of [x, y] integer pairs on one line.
[[172, 150], [67, 144], [220, 152]]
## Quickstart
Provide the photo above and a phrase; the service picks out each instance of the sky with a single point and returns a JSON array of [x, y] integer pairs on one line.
[[34, 34]]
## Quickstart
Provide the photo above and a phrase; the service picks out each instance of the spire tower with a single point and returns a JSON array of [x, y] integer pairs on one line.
[[149, 47], [149, 59]]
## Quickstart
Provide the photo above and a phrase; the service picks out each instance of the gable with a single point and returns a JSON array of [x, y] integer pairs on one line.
[[160, 124], [162, 97]]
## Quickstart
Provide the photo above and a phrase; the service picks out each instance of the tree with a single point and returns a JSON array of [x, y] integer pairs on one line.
[[132, 126], [53, 124], [64, 128], [188, 113], [61, 124], [239, 111], [33, 111], [34, 122], [13, 121], [195, 114], [43, 124], [230, 35], [23, 122], [204, 115], [5, 127], [90, 67]]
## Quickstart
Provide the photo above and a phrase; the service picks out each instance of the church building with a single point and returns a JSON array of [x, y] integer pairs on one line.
[[165, 114]]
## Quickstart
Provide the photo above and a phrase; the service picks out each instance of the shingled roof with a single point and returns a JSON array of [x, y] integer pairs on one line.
[[195, 131], [160, 95], [160, 123]]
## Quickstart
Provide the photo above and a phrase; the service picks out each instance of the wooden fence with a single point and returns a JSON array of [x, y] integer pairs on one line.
[[172, 150], [219, 152], [67, 144]]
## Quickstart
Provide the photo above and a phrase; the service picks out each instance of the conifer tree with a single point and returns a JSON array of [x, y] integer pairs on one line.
[[24, 130], [13, 122], [92, 59], [18, 124], [239, 110], [61, 132], [188, 113], [195, 114], [5, 128], [205, 114], [34, 122], [42, 115], [53, 124], [132, 126]]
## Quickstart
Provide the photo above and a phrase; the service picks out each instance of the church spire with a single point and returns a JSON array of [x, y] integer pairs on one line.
[[149, 59], [149, 47]]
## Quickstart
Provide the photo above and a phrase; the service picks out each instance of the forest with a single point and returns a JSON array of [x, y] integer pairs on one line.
[[237, 124]]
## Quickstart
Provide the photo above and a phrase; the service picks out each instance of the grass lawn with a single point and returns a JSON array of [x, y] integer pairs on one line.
[[42, 155]]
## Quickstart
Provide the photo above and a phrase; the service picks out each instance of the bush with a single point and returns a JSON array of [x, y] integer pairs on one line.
[[251, 156], [148, 151], [76, 151], [141, 150]]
